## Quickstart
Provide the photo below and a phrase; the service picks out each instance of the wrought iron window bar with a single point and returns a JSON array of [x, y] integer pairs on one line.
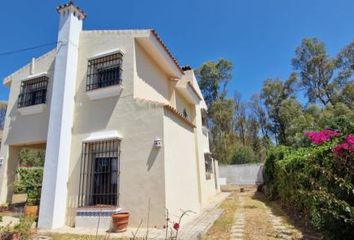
[[99, 174], [104, 72], [33, 92]]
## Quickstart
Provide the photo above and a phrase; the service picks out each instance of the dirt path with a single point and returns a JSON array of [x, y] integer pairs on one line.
[[250, 216], [254, 220]]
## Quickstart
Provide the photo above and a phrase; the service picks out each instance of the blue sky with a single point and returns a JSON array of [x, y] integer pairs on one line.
[[258, 36]]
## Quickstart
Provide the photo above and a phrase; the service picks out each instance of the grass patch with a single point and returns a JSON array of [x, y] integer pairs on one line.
[[222, 226]]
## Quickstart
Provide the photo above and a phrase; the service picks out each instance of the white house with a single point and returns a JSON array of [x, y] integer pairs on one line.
[[121, 123]]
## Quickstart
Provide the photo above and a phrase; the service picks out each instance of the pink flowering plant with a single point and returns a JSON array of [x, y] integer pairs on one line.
[[316, 180], [346, 148], [321, 137]]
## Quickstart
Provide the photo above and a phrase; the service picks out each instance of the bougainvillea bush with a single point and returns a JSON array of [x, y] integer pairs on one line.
[[316, 181]]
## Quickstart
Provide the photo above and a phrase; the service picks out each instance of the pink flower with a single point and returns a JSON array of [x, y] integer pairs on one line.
[[346, 147], [176, 226], [331, 133], [350, 139], [321, 137]]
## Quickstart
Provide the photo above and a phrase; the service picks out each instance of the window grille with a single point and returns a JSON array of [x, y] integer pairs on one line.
[[208, 165], [99, 176], [104, 71], [33, 92]]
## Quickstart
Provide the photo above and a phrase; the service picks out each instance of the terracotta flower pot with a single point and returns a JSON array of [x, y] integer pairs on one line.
[[30, 211], [120, 221]]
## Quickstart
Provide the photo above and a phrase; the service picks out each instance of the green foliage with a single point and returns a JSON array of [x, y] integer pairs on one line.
[[23, 229], [32, 157], [313, 181], [274, 93], [316, 71], [213, 77], [244, 154], [29, 180], [223, 146], [276, 115]]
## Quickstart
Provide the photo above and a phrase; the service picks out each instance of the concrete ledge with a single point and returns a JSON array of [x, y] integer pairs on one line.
[[34, 109], [105, 92], [94, 218]]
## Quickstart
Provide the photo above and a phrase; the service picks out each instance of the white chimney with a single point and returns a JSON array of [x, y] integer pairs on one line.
[[56, 168]]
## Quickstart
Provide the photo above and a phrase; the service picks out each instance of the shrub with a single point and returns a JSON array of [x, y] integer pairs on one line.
[[244, 154], [29, 180], [32, 157], [316, 181]]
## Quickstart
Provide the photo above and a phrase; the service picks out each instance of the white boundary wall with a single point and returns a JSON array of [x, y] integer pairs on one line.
[[242, 174]]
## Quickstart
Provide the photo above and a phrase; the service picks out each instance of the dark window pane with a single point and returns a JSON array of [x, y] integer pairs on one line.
[[99, 177], [33, 92], [104, 72]]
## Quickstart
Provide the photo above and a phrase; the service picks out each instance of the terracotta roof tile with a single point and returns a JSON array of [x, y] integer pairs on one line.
[[167, 50], [167, 107], [179, 115], [71, 3]]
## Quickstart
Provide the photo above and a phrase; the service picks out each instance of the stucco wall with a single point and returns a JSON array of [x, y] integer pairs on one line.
[[17, 124], [207, 187], [20, 129], [182, 103], [151, 82], [170, 177], [180, 166], [141, 166]]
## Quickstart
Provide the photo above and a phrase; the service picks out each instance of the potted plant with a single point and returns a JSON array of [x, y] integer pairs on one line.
[[31, 207], [29, 181]]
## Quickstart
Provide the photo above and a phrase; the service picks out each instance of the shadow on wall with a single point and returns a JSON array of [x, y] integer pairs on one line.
[[92, 116], [29, 128], [155, 81], [152, 157]]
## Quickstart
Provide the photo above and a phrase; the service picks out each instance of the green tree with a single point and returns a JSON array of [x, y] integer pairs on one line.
[[213, 77], [257, 108], [274, 92], [347, 95], [296, 121], [240, 118], [316, 70], [345, 65], [221, 113], [244, 154]]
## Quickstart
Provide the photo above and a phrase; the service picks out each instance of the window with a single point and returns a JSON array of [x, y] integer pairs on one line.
[[204, 118], [33, 92], [208, 165], [104, 72], [185, 114], [99, 177]]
